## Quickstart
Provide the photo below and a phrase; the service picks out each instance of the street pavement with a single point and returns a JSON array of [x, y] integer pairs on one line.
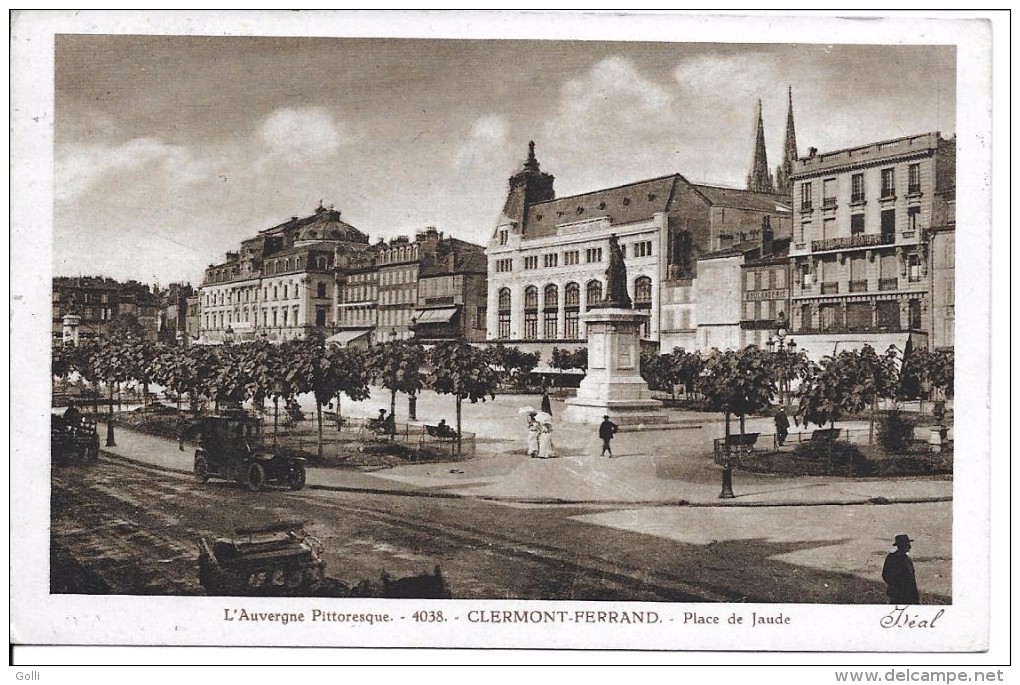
[[660, 483]]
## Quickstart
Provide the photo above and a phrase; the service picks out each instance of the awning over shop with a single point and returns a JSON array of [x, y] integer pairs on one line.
[[347, 337], [443, 315], [822, 345]]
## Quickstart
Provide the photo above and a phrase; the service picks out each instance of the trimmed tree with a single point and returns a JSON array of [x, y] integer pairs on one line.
[[458, 369], [398, 366], [738, 383]]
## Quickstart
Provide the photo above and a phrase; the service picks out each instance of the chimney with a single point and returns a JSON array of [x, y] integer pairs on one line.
[[812, 152], [767, 236]]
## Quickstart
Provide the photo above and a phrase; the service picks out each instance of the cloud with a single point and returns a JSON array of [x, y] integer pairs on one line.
[[78, 167], [611, 125], [486, 143], [308, 131]]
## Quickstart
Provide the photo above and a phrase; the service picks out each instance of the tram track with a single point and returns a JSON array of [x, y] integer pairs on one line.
[[158, 488]]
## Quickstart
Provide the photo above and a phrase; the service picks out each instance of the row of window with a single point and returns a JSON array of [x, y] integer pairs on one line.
[[407, 253], [857, 192], [592, 255], [572, 295], [830, 229], [765, 279], [284, 316], [828, 272], [860, 316], [398, 296], [397, 276], [276, 292]]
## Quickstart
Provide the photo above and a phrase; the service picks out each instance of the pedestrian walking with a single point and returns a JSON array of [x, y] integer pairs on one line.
[[782, 427], [546, 402], [898, 573], [607, 429], [545, 444], [533, 430]]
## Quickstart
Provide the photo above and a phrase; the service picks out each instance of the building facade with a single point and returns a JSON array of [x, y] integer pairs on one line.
[[432, 288], [103, 303], [280, 285], [862, 236], [547, 256]]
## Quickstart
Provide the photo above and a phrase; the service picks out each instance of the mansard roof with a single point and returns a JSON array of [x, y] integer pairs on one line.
[[622, 204]]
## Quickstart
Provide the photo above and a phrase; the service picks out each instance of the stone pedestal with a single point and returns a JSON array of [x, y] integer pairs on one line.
[[613, 384]]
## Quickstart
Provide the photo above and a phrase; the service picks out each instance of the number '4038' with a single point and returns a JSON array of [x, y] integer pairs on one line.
[[428, 616]]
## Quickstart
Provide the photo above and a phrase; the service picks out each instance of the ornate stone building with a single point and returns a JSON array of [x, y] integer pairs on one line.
[[862, 241], [432, 288], [547, 256], [280, 285]]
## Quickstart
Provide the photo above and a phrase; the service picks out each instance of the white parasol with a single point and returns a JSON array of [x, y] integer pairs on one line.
[[526, 410], [543, 417]]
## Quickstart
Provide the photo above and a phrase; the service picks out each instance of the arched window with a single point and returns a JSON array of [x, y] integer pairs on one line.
[[504, 299], [593, 294], [572, 295], [550, 314], [503, 316], [551, 297], [531, 297], [643, 292], [531, 312], [572, 308]]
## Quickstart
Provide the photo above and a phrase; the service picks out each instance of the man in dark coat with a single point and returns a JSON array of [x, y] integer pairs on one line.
[[607, 429], [898, 573], [782, 426]]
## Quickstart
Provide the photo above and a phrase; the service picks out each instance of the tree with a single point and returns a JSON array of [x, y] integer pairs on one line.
[[925, 370], [738, 383], [327, 371], [110, 361], [563, 360], [512, 365], [789, 366], [666, 371], [847, 383], [458, 369], [398, 367]]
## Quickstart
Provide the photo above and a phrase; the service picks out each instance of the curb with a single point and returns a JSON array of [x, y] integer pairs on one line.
[[400, 492]]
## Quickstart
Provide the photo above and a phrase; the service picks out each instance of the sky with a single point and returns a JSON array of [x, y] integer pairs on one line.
[[172, 149]]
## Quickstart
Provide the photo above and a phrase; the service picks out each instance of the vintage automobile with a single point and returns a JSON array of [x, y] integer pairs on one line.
[[73, 441], [278, 559], [230, 447]]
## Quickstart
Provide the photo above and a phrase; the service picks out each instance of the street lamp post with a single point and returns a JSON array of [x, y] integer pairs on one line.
[[784, 349]]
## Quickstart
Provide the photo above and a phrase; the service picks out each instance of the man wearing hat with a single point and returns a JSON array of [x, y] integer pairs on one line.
[[898, 573], [607, 429]]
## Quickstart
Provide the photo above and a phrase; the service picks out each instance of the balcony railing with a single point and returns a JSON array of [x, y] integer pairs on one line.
[[828, 202], [858, 286], [914, 189], [888, 194], [830, 288], [856, 198], [806, 206], [854, 241], [839, 328], [888, 283]]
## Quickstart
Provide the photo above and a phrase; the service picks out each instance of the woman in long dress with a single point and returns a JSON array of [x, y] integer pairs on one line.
[[545, 444], [533, 429]]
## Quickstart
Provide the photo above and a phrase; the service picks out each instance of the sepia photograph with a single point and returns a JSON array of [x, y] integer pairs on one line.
[[351, 332]]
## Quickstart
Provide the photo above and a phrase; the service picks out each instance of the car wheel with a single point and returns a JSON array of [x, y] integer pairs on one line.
[[255, 477], [297, 477], [201, 469]]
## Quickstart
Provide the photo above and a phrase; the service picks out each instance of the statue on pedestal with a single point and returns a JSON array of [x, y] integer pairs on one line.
[[616, 278]]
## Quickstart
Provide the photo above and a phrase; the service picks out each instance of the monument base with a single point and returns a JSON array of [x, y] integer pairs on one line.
[[621, 412], [613, 385]]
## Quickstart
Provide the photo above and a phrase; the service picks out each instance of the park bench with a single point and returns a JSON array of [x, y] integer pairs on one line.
[[440, 432]]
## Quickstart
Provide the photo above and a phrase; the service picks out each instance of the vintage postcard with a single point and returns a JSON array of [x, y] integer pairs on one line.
[[503, 330]]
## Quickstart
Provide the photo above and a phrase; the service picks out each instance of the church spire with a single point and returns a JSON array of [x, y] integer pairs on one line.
[[790, 155], [759, 179], [527, 186]]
